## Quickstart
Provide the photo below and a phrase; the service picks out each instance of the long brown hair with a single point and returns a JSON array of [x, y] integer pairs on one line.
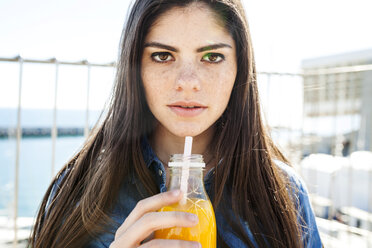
[[247, 177]]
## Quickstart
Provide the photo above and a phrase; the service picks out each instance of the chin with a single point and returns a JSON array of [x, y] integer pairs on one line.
[[189, 130], [182, 133]]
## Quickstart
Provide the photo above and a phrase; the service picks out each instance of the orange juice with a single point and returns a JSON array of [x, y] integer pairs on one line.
[[204, 232]]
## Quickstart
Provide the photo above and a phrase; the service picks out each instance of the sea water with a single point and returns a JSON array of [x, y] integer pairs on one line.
[[35, 172]]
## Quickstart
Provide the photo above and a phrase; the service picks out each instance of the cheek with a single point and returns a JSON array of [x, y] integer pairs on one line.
[[221, 82], [156, 84], [219, 89]]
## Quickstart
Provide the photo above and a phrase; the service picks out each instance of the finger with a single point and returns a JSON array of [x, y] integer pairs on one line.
[[153, 221], [160, 243], [149, 204]]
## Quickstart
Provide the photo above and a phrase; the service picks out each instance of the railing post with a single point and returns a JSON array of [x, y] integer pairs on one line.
[[18, 146], [303, 114], [267, 107], [86, 129], [54, 127]]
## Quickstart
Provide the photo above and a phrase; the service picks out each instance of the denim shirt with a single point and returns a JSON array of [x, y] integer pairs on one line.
[[132, 191]]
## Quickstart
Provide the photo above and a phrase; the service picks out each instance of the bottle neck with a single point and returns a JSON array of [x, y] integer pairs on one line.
[[195, 182]]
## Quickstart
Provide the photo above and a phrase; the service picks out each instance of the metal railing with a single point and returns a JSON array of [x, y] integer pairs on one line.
[[54, 133]]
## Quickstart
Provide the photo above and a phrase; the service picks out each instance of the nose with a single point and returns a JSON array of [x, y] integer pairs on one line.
[[187, 79]]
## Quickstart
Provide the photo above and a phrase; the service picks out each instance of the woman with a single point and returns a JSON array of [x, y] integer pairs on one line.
[[186, 68]]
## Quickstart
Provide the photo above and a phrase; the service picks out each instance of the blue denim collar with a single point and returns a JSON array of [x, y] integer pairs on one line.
[[148, 153]]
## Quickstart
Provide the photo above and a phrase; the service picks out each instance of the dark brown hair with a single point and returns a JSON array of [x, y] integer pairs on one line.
[[249, 182]]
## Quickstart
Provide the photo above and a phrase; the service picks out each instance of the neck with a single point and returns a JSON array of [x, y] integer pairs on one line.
[[165, 144]]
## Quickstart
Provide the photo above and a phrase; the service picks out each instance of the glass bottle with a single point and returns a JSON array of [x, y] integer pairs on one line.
[[195, 201]]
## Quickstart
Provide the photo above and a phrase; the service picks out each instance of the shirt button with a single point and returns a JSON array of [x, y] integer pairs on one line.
[[160, 172]]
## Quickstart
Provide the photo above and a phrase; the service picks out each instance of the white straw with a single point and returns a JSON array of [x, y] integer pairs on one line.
[[185, 167], [188, 146]]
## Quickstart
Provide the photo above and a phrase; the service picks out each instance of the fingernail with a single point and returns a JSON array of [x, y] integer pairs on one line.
[[197, 245], [193, 217], [176, 192]]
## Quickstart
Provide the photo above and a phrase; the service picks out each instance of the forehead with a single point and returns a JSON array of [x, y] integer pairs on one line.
[[196, 22]]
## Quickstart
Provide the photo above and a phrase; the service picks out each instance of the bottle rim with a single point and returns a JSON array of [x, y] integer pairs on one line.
[[192, 161], [190, 164]]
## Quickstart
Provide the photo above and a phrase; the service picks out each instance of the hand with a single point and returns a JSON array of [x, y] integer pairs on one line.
[[144, 220]]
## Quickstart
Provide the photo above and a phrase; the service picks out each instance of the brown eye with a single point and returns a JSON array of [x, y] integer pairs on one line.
[[213, 58], [161, 57]]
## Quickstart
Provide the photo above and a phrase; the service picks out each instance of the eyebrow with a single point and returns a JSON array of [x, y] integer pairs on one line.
[[201, 49]]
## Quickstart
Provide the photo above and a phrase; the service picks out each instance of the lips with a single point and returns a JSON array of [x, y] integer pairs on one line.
[[187, 109]]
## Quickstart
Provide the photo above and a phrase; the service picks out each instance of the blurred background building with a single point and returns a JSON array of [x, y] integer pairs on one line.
[[337, 143], [342, 97]]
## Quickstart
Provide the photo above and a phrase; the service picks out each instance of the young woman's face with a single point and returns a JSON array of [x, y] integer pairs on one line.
[[188, 70]]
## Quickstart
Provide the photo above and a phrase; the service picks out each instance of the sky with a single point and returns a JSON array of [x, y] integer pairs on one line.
[[283, 33], [288, 31]]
